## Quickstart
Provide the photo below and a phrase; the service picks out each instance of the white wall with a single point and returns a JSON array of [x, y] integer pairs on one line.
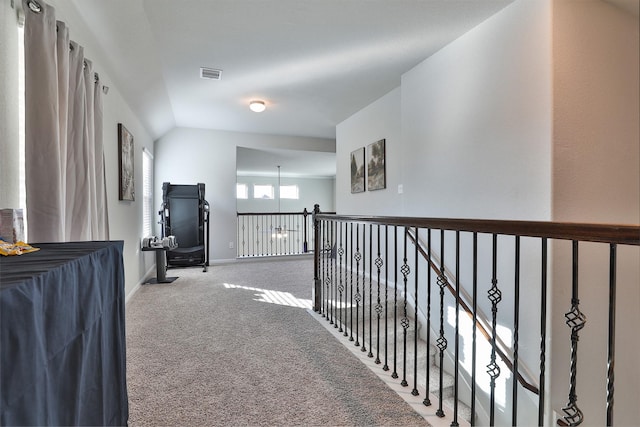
[[532, 115], [596, 178], [311, 191], [476, 123], [190, 156], [125, 218], [380, 120]]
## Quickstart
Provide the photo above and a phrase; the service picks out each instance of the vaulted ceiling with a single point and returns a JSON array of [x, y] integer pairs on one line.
[[314, 62]]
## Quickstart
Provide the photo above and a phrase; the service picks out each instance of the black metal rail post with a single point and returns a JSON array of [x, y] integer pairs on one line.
[[317, 286]]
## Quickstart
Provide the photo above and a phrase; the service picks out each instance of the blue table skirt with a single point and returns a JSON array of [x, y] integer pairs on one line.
[[62, 336]]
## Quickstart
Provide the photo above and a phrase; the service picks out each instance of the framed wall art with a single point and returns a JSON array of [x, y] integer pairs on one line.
[[376, 176], [126, 184], [357, 171]]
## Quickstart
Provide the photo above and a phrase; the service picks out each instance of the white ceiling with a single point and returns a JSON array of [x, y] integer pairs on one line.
[[293, 163], [314, 62]]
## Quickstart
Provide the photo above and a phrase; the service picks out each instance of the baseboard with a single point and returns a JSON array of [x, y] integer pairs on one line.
[[138, 285]]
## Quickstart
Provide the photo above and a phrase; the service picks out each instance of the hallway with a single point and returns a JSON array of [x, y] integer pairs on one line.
[[237, 346]]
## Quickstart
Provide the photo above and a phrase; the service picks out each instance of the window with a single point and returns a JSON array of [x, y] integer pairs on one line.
[[263, 191], [242, 191], [147, 193], [289, 192]]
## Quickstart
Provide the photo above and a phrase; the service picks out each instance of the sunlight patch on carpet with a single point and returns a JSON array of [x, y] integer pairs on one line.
[[274, 297]]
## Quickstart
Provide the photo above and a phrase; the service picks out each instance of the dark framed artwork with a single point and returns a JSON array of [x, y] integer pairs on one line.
[[376, 176], [126, 184], [357, 170]]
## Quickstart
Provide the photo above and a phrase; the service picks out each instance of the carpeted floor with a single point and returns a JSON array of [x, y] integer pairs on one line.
[[235, 347]]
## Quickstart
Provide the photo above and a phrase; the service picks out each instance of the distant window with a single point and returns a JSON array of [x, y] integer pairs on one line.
[[289, 192], [242, 191], [263, 191]]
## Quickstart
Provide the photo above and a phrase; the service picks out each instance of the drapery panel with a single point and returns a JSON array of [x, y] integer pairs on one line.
[[64, 157]]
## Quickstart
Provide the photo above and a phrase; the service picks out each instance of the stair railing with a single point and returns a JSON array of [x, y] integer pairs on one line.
[[481, 319], [339, 259]]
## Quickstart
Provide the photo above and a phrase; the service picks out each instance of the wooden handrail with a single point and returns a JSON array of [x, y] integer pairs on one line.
[[507, 361], [625, 234]]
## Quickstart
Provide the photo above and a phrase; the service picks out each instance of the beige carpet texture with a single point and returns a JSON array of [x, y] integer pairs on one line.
[[236, 346]]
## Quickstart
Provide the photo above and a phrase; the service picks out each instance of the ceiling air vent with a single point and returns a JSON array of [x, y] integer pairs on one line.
[[210, 73]]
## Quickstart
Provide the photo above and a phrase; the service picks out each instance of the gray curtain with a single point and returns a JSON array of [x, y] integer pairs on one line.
[[64, 158]]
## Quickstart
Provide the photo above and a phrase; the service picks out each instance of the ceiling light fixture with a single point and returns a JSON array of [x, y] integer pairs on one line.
[[257, 106]]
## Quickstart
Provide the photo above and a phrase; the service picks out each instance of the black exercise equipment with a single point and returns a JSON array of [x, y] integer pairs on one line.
[[185, 215]]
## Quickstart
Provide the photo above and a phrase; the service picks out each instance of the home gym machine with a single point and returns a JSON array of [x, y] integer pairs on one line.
[[185, 215]]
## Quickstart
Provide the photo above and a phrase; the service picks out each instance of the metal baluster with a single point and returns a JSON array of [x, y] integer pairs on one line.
[[242, 234], [611, 345], [364, 288], [379, 307], [415, 392], [256, 236], [495, 295], [324, 268], [516, 327], [427, 400], [475, 327], [457, 336], [576, 321], [351, 287], [404, 322], [357, 257], [385, 367], [543, 332], [332, 295], [441, 342], [341, 284], [327, 280], [370, 290], [317, 284], [272, 232], [394, 374], [334, 262]]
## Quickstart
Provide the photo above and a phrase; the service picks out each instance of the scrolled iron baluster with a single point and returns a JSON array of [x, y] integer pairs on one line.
[[404, 322], [576, 320], [441, 342], [495, 296], [340, 284], [358, 297]]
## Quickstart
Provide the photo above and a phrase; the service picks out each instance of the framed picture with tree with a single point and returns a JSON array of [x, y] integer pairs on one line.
[[357, 171], [376, 176]]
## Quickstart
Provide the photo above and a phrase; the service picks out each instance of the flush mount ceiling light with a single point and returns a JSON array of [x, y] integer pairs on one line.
[[257, 106]]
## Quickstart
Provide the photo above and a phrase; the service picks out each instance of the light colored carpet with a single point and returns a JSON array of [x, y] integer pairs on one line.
[[234, 346]]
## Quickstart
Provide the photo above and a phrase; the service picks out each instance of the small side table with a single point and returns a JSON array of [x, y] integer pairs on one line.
[[161, 265]]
